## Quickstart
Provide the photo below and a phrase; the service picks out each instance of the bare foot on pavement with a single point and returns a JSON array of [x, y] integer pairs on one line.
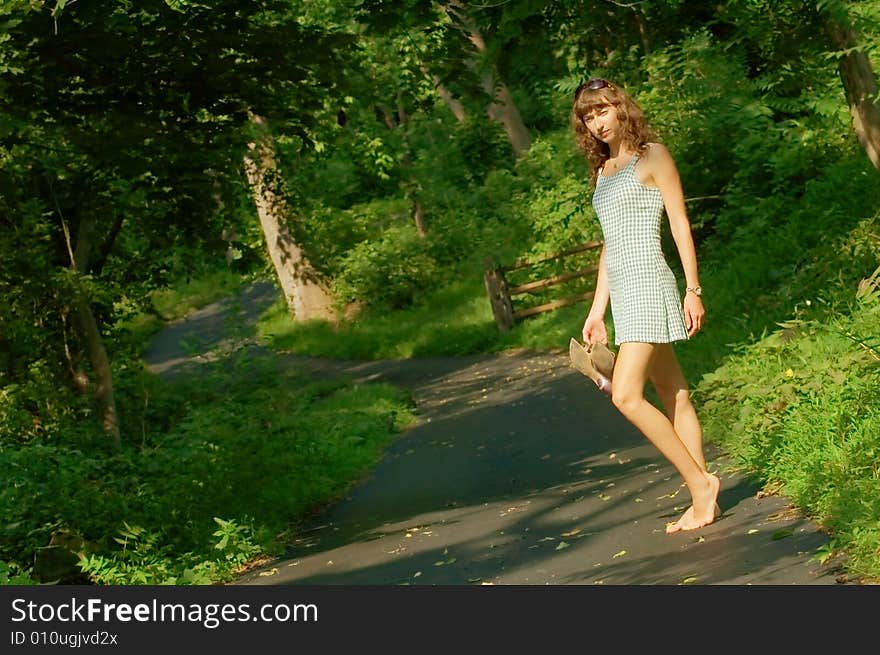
[[704, 510]]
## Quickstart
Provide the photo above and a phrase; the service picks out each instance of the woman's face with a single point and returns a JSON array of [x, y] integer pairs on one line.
[[602, 123]]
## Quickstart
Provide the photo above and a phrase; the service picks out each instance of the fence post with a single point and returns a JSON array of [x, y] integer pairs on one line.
[[496, 288]]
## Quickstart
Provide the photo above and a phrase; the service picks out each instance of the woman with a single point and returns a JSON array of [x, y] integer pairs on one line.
[[635, 180]]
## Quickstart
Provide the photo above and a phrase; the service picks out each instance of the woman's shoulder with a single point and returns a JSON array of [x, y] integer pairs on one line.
[[656, 155], [655, 149]]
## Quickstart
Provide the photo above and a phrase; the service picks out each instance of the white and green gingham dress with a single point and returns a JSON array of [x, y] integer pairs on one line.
[[645, 302]]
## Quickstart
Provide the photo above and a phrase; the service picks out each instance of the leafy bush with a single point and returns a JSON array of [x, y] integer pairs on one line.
[[799, 408], [483, 146], [169, 508], [387, 273]]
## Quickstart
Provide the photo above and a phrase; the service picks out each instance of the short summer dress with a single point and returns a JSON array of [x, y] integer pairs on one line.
[[645, 301]]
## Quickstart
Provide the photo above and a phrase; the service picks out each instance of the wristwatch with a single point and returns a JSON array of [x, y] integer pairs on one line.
[[697, 291]]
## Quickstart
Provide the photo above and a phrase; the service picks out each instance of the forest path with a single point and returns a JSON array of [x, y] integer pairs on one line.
[[520, 471]]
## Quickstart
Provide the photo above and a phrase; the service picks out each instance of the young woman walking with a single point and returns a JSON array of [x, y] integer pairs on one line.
[[636, 180]]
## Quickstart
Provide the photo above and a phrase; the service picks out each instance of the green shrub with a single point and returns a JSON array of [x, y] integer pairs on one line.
[[800, 409], [387, 273]]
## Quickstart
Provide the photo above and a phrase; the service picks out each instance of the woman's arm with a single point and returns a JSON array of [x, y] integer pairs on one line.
[[661, 171], [594, 326]]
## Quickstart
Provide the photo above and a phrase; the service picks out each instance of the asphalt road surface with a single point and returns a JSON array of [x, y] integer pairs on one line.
[[519, 472]]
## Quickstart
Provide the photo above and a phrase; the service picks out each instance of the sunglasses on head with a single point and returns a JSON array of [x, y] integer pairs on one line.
[[593, 84]]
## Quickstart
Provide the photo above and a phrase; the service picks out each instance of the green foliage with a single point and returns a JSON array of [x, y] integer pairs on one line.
[[178, 300], [147, 514], [334, 232], [12, 574], [483, 146], [131, 150], [142, 561], [454, 319], [799, 407], [389, 273], [121, 163]]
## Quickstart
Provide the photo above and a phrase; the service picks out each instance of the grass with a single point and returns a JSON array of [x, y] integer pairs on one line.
[[456, 320], [173, 303], [230, 463], [178, 300], [169, 508], [800, 408]]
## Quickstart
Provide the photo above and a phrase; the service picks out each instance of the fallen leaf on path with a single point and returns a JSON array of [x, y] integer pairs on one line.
[[561, 545], [752, 531], [689, 580], [571, 533], [620, 554], [268, 573]]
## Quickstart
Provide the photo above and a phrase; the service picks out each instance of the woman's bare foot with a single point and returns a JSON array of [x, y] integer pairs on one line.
[[704, 510]]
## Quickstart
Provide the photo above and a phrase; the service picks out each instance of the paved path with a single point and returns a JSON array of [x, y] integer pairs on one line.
[[519, 472]]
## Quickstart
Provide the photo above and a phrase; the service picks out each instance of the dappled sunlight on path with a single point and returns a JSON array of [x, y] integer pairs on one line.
[[519, 471]]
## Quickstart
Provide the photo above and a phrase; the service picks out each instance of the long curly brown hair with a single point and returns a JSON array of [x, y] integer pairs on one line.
[[636, 132]]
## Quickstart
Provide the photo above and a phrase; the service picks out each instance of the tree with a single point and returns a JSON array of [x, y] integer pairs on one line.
[[120, 127], [306, 294], [502, 108], [465, 61], [857, 75]]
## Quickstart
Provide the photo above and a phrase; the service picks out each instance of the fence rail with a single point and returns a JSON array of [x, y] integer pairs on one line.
[[501, 294]]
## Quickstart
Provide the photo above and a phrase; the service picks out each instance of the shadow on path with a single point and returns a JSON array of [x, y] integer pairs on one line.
[[519, 472]]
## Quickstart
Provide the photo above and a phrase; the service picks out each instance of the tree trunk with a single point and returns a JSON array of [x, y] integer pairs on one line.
[[419, 217], [86, 328], [445, 94], [451, 101], [643, 29], [411, 185], [98, 265], [860, 86], [502, 108], [306, 295]]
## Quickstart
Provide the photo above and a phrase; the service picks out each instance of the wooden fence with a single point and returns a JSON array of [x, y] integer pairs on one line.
[[501, 294]]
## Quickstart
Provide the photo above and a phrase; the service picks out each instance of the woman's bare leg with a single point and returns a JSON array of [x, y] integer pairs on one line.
[[672, 388], [634, 361]]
